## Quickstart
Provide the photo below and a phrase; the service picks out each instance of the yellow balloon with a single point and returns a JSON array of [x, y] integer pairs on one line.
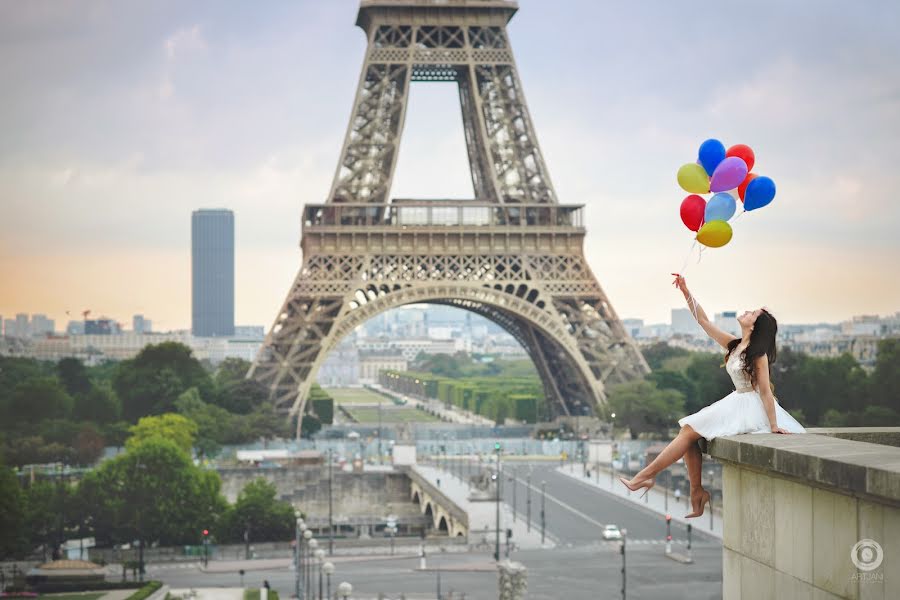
[[714, 234], [693, 178]]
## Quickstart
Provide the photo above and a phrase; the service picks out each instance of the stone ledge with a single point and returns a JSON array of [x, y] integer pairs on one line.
[[823, 459], [886, 436]]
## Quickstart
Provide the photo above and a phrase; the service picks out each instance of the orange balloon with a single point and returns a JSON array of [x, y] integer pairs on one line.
[[742, 189]]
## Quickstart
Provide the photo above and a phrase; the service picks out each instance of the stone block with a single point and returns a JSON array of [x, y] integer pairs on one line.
[[731, 505], [757, 517], [731, 574], [834, 534], [757, 580], [791, 588], [793, 529]]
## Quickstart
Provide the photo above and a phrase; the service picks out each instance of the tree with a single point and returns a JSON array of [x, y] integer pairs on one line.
[[644, 408], [258, 515], [213, 423], [98, 404], [711, 381], [153, 493], [659, 353], [73, 376], [88, 444], [12, 516], [886, 377], [150, 383], [38, 399], [173, 427]]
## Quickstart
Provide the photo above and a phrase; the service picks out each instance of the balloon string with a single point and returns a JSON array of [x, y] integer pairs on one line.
[[688, 257], [740, 214]]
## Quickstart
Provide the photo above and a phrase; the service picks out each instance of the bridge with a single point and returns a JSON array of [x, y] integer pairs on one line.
[[444, 514]]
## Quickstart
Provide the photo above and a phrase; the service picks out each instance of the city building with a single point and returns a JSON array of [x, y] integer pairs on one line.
[[632, 326], [372, 362], [727, 321], [684, 323], [212, 273], [141, 325], [101, 326], [341, 366]]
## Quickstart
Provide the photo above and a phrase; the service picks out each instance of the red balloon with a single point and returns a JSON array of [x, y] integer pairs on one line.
[[742, 189], [744, 152], [692, 209]]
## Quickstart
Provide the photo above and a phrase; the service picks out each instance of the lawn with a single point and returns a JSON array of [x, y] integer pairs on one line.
[[391, 414], [76, 596], [356, 396]]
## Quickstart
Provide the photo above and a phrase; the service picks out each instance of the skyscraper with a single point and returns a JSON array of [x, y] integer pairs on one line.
[[212, 272]]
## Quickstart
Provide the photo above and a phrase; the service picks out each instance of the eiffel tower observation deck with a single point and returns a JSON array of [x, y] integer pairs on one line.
[[512, 254]]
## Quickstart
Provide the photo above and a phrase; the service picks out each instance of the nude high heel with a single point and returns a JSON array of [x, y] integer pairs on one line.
[[647, 484], [704, 499]]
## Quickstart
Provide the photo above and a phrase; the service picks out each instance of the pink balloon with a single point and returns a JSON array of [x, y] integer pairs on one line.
[[728, 175]]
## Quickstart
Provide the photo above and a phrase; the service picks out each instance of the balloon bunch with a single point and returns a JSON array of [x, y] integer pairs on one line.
[[725, 173]]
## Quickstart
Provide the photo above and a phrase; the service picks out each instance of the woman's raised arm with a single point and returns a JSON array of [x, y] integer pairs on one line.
[[722, 337]]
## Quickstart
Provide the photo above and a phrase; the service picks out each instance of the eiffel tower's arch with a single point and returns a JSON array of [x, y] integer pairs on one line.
[[512, 254]]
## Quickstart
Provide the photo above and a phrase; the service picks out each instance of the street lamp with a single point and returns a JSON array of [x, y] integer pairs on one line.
[[320, 558], [300, 527], [312, 546], [543, 514], [344, 590], [328, 569]]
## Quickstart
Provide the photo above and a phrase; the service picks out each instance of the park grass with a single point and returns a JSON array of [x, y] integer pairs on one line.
[[356, 396], [75, 596], [368, 414]]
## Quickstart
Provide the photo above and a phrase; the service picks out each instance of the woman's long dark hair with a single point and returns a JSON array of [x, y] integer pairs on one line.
[[762, 341]]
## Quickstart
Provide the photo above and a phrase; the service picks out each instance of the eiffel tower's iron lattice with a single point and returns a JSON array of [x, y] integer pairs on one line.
[[513, 254]]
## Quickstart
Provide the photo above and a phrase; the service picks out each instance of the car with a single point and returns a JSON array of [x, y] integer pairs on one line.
[[611, 532]]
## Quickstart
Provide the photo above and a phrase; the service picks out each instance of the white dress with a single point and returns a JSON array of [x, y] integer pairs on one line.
[[741, 411]]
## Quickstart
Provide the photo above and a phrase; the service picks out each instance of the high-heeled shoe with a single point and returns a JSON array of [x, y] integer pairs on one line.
[[704, 499], [647, 484]]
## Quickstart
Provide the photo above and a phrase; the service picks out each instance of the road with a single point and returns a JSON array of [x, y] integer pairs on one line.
[[580, 567]]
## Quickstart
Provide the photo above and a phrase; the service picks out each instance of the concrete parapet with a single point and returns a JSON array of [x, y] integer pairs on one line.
[[813, 515]]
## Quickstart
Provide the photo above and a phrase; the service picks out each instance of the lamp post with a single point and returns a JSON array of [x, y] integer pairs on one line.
[[300, 527], [543, 514], [499, 484], [320, 559], [513, 478], [307, 535], [624, 532], [344, 590], [311, 546], [328, 569], [330, 503], [528, 501]]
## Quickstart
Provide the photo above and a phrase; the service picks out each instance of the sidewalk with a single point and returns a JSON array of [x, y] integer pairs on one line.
[[654, 501], [482, 515]]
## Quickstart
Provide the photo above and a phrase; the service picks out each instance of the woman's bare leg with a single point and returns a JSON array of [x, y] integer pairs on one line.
[[686, 438], [693, 460]]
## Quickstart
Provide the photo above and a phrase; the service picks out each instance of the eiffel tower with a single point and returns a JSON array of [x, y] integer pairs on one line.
[[512, 254]]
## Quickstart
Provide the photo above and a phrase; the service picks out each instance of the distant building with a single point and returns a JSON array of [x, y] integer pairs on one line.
[[212, 273], [141, 325], [101, 326], [727, 321], [75, 328], [341, 366], [250, 332], [23, 327], [684, 323], [372, 362], [633, 326], [41, 325]]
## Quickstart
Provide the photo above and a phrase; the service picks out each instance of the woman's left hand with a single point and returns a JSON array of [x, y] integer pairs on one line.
[[777, 429]]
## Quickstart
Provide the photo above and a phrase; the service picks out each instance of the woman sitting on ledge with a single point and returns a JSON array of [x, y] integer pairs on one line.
[[751, 408]]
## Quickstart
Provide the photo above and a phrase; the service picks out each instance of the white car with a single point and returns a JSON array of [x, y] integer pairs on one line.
[[611, 532]]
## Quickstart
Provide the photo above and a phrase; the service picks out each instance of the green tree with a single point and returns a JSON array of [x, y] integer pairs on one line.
[[150, 383], [213, 423], [154, 493], [12, 516], [73, 376], [658, 354], [173, 427], [644, 408], [886, 377], [99, 404], [711, 381], [88, 444], [38, 399], [258, 515]]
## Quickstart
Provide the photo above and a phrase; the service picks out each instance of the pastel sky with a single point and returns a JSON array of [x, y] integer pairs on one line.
[[117, 119]]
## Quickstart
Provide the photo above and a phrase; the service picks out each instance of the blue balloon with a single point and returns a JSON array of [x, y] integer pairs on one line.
[[712, 152], [760, 192], [720, 207]]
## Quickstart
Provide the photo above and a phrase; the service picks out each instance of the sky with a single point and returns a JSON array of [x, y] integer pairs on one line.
[[118, 119]]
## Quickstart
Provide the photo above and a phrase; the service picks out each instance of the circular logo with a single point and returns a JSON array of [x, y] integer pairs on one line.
[[867, 555]]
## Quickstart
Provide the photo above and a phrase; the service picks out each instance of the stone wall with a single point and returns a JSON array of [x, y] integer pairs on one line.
[[796, 506]]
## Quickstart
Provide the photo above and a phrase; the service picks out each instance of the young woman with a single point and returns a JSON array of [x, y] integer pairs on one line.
[[750, 408]]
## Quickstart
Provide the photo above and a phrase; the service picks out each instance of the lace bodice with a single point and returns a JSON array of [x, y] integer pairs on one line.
[[735, 369]]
